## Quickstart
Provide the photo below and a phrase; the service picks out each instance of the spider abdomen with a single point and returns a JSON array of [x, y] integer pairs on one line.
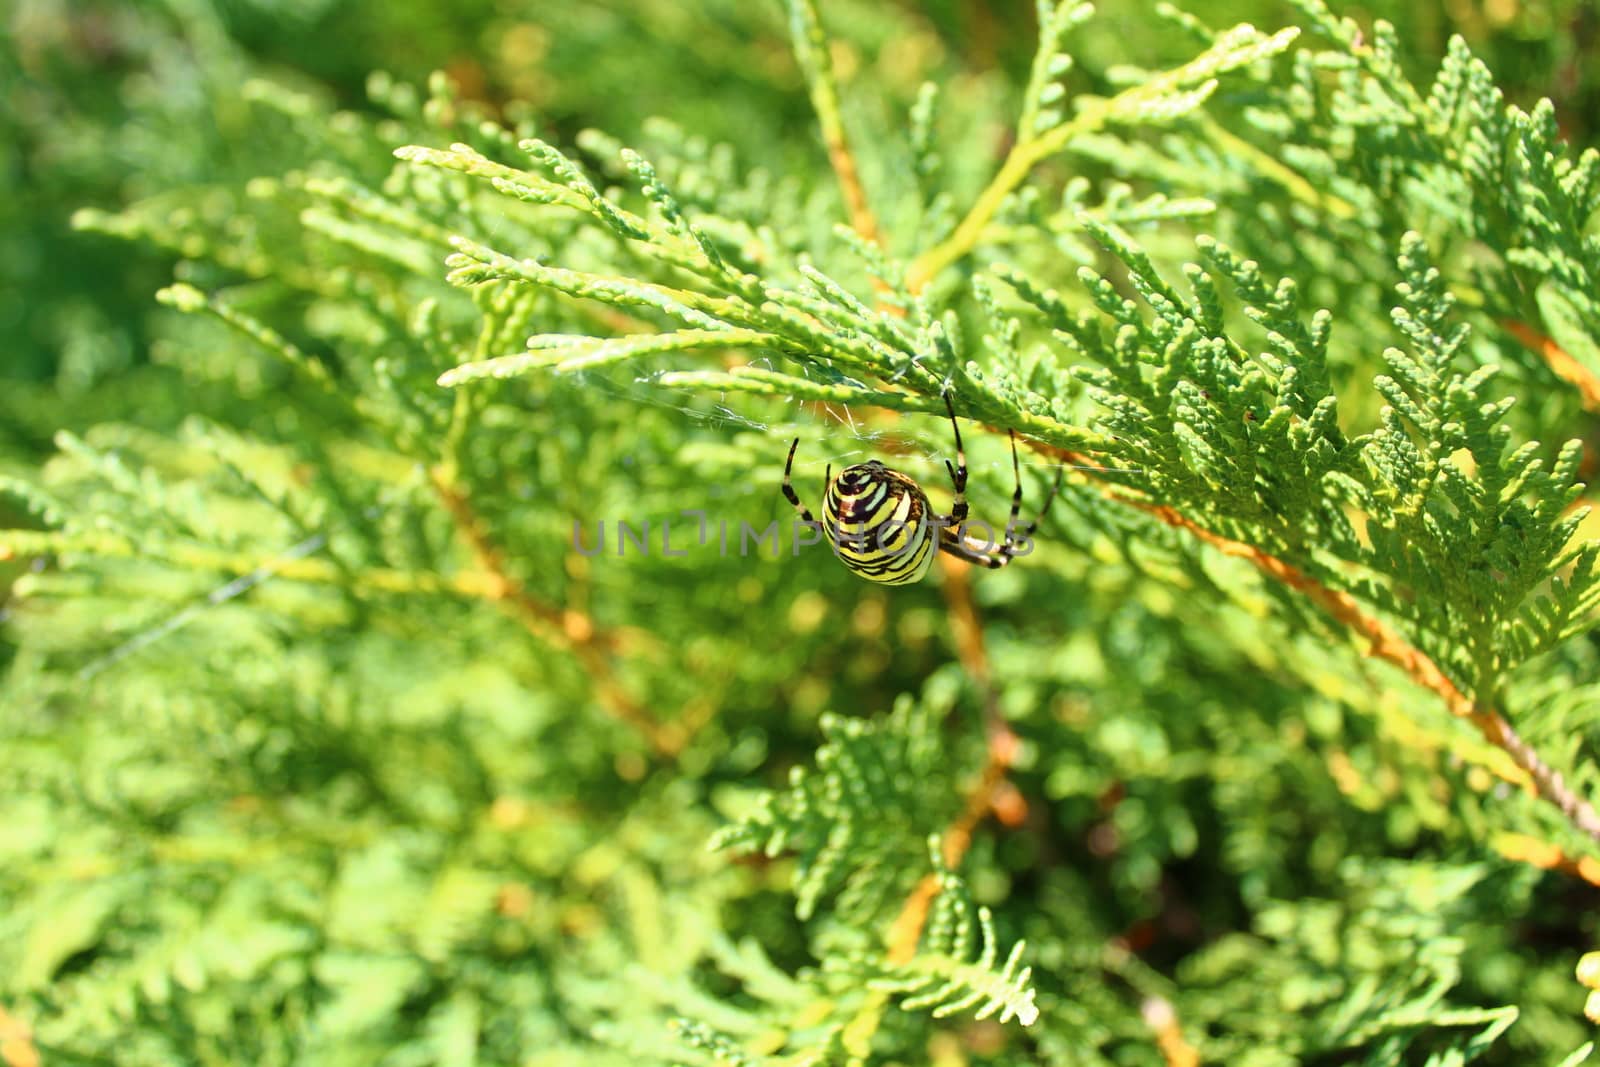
[[877, 520], [881, 527]]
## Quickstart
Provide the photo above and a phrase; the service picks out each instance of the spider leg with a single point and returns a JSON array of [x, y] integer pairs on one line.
[[1016, 493], [788, 489], [1055, 488], [985, 554], [1008, 551], [974, 552], [958, 473]]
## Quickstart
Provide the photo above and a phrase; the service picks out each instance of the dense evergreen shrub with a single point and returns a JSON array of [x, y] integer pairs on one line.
[[333, 735]]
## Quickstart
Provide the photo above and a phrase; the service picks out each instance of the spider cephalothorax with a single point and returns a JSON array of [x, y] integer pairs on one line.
[[881, 525]]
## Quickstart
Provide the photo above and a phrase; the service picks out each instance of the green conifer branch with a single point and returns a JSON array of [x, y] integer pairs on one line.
[[1160, 99], [1470, 421]]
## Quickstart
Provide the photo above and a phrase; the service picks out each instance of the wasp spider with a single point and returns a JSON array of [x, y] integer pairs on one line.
[[881, 525]]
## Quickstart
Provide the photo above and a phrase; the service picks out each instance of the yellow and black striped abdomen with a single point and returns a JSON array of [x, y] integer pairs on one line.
[[877, 520]]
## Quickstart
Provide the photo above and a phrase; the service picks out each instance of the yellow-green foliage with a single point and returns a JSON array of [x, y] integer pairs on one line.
[[330, 738]]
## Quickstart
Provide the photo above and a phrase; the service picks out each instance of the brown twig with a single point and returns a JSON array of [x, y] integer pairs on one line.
[[966, 627], [967, 630], [1559, 360], [1160, 1016], [571, 630], [1542, 854], [993, 792], [843, 162], [1386, 644], [16, 1042], [906, 930], [816, 62]]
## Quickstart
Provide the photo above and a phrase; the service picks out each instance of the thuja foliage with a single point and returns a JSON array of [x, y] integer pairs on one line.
[[437, 677]]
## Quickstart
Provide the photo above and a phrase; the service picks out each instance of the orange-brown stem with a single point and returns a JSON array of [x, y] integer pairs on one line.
[[907, 928], [1542, 854], [967, 629], [843, 161], [1559, 360], [568, 629], [1386, 644], [1162, 1019], [16, 1042]]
